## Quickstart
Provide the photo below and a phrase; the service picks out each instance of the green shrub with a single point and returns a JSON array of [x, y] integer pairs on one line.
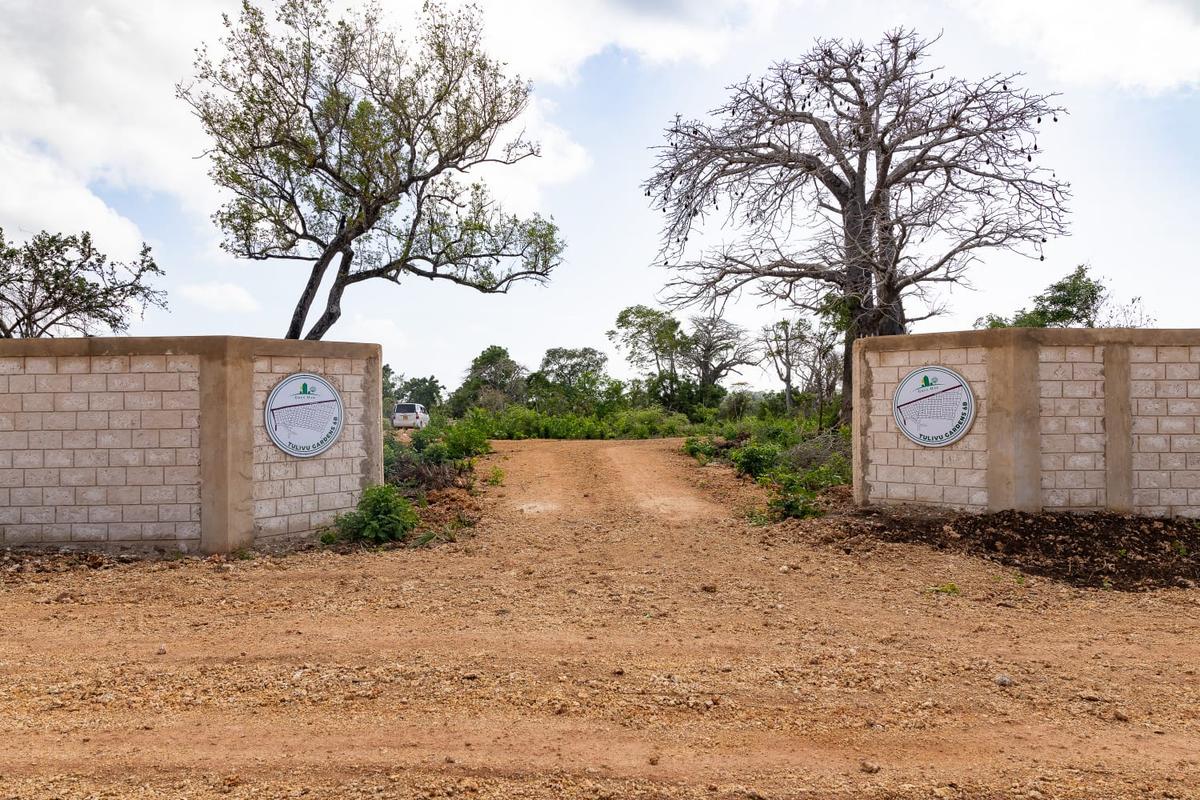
[[465, 441], [452, 440], [519, 422], [793, 493], [495, 477], [391, 450], [427, 471], [383, 515], [754, 459], [700, 447], [789, 496], [647, 423]]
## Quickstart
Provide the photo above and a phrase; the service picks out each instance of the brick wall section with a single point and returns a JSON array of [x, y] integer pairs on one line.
[[1117, 415], [295, 496], [898, 469], [1071, 406], [1165, 404], [137, 442], [100, 449]]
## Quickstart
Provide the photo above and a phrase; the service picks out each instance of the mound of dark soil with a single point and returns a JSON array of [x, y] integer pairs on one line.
[[1106, 550]]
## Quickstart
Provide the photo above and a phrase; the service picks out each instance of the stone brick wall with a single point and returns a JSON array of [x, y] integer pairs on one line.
[[898, 469], [1071, 405], [100, 449], [160, 442], [298, 495], [1165, 403], [1072, 420]]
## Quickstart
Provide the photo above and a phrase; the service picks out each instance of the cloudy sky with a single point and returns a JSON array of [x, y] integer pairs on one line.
[[91, 137]]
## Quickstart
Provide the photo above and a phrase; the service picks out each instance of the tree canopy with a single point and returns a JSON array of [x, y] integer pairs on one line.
[[494, 380], [714, 348], [348, 149], [1076, 300], [682, 367], [573, 380], [426, 391], [58, 284]]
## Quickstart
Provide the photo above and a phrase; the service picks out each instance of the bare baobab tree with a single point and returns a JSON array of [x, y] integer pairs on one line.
[[855, 177], [804, 354], [715, 348], [819, 368], [782, 345]]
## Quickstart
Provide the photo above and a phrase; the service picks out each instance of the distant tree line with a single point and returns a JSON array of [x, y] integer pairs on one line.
[[681, 368], [398, 389]]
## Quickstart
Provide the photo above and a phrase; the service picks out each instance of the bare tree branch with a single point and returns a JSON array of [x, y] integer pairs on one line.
[[851, 179]]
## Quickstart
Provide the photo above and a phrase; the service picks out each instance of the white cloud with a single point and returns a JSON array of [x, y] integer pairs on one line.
[[547, 40], [89, 95], [518, 186], [39, 193], [223, 297], [1152, 45], [93, 86]]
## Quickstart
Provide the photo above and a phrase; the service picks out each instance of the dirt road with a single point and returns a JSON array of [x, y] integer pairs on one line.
[[613, 627]]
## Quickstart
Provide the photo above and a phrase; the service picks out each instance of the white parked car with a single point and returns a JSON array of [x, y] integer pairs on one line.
[[410, 415]]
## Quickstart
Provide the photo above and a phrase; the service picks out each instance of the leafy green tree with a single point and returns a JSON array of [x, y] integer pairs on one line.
[[652, 339], [493, 381], [572, 380], [426, 391], [391, 389], [345, 148], [682, 368], [654, 342], [1076, 300], [568, 367], [56, 285], [737, 403]]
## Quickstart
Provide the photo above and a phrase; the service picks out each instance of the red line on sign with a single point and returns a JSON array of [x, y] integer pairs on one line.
[[926, 397], [320, 402]]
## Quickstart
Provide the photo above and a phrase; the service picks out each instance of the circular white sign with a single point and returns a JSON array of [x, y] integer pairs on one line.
[[934, 406], [304, 415]]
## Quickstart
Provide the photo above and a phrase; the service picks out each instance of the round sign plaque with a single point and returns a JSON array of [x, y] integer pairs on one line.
[[304, 415], [934, 406]]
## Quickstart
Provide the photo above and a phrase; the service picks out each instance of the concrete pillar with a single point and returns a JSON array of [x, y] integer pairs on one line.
[[1013, 424], [1118, 430], [226, 448], [372, 462]]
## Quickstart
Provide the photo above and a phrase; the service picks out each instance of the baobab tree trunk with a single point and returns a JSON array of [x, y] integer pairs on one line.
[[891, 318], [859, 297]]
